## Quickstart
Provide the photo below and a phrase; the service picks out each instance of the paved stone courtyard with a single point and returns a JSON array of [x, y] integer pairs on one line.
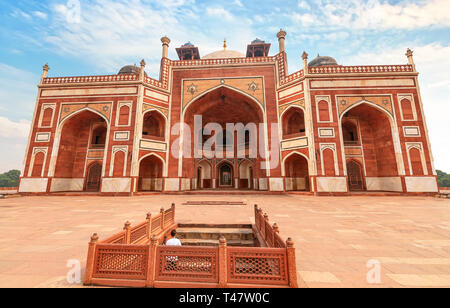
[[335, 237]]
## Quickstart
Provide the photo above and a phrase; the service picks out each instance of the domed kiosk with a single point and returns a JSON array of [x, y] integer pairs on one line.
[[323, 61]]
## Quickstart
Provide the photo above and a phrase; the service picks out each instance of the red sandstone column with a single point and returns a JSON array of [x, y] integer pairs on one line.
[[90, 259], [292, 266], [149, 225], [126, 227], [223, 274], [151, 270], [161, 211], [173, 211]]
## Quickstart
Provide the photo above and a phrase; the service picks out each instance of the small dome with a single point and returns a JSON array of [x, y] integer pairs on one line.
[[129, 69], [322, 61], [224, 54], [258, 41], [188, 44]]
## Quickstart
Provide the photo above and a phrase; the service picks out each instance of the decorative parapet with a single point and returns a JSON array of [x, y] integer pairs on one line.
[[361, 69], [292, 77], [90, 79]]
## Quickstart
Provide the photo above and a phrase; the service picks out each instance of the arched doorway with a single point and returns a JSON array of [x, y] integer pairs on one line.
[[220, 107], [296, 173], [369, 149], [204, 175], [246, 175], [93, 179], [355, 176], [225, 172], [83, 139], [150, 174]]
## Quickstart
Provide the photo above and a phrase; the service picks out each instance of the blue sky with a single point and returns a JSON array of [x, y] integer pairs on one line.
[[107, 35]]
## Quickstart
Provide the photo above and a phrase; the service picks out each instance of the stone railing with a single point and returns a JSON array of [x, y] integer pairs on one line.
[[128, 259], [270, 234], [361, 69]]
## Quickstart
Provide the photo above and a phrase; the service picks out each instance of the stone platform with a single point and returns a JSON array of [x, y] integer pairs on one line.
[[335, 237]]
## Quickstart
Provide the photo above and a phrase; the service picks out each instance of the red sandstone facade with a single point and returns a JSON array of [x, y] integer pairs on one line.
[[338, 128]]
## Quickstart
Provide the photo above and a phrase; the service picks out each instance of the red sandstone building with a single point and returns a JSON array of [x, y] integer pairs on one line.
[[339, 128]]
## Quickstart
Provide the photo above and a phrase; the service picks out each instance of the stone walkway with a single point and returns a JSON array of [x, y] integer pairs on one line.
[[335, 237]]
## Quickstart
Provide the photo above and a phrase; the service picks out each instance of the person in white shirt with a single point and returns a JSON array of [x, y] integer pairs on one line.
[[173, 241], [172, 261]]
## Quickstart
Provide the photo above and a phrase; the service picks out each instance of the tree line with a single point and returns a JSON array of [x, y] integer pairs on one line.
[[10, 178]]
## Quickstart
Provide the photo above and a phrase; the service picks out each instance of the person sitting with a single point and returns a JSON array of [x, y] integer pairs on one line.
[[172, 261], [173, 241]]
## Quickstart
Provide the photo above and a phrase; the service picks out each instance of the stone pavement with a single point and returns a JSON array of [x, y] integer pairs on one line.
[[335, 237]]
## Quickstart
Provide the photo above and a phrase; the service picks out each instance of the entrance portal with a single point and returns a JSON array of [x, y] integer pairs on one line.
[[225, 176], [94, 176], [355, 179]]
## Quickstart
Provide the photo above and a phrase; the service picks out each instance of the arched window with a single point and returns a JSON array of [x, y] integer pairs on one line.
[[350, 133], [416, 162], [324, 112], [124, 115], [119, 159], [38, 164], [47, 117], [99, 137], [328, 162], [154, 125], [293, 123], [407, 109]]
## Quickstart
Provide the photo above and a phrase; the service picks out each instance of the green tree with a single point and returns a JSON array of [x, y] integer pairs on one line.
[[443, 178], [10, 178]]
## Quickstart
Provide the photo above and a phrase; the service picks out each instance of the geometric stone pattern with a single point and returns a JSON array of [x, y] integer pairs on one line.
[[345, 102], [300, 103], [252, 86], [130, 263], [102, 108], [265, 266], [196, 264], [163, 110]]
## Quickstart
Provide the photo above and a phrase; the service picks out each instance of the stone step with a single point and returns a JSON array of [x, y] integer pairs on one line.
[[203, 242], [215, 233]]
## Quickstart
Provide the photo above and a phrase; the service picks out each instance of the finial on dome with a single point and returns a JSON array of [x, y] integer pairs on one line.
[[225, 44]]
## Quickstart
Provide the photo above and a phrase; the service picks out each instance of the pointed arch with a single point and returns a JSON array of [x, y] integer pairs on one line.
[[201, 95], [386, 112]]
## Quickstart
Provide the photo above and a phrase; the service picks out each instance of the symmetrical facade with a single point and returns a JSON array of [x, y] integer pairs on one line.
[[326, 129]]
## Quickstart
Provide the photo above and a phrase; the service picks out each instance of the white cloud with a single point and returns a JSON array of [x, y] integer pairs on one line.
[[219, 12], [375, 14], [433, 64], [17, 92], [238, 3], [304, 5], [14, 130], [13, 139], [40, 14]]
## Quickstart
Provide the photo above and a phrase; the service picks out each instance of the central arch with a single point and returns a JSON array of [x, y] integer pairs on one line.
[[83, 138], [370, 159], [223, 106]]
